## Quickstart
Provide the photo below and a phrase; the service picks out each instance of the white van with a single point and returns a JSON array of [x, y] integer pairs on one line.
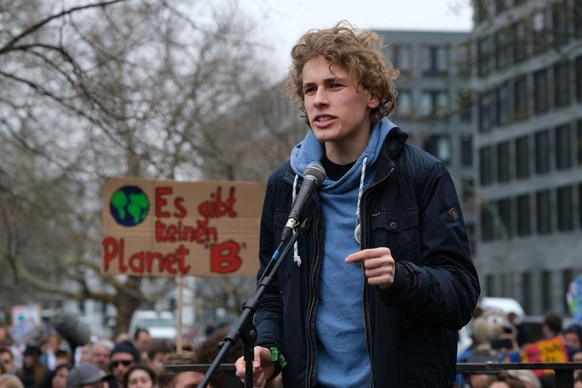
[[160, 325]]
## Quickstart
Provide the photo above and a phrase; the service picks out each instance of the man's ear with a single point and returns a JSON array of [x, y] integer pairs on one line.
[[373, 100]]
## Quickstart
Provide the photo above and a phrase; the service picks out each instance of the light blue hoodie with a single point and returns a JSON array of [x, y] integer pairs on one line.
[[342, 357]]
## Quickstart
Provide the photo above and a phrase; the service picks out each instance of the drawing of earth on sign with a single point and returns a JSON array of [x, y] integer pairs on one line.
[[129, 205]]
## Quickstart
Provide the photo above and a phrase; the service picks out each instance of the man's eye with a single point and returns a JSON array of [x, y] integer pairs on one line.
[[308, 90]]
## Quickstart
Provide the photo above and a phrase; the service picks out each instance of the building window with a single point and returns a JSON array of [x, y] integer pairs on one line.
[[504, 208], [485, 111], [561, 84], [578, 144], [565, 204], [522, 157], [486, 223], [560, 22], [523, 216], [439, 146], [464, 104], [434, 104], [563, 147], [436, 59], [464, 60], [542, 151], [541, 91], [500, 6], [467, 189], [543, 212], [519, 36], [520, 98], [481, 11], [503, 48], [501, 105], [503, 162], [404, 106], [400, 55], [485, 56], [485, 166], [540, 32], [577, 18], [547, 291], [526, 291], [579, 78], [466, 149]]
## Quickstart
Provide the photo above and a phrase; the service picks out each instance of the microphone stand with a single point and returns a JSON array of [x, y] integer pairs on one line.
[[244, 328]]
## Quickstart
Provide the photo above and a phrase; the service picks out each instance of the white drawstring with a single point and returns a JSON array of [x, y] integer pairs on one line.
[[296, 257], [358, 228]]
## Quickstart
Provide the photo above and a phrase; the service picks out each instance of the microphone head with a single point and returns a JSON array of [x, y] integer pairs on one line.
[[316, 172]]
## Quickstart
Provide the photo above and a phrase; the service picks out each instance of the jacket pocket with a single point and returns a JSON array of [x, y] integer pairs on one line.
[[399, 231]]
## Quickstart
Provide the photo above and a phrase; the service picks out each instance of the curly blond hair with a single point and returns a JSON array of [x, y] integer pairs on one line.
[[359, 51]]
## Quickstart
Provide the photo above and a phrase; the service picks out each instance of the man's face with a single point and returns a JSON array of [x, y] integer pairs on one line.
[[572, 339], [157, 364], [338, 110], [120, 364], [8, 361], [143, 341], [100, 356]]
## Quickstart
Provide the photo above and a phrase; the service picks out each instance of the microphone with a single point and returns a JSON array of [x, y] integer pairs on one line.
[[313, 176]]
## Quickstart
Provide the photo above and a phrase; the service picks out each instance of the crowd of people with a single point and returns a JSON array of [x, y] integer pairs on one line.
[[136, 361], [504, 338]]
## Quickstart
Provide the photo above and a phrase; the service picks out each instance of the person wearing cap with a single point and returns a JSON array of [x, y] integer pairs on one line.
[[123, 356], [87, 375]]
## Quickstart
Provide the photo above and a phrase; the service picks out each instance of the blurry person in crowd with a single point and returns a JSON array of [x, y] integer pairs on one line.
[[63, 357], [506, 380], [528, 377], [10, 381], [7, 359], [142, 340], [552, 325], [522, 335], [140, 376], [82, 354], [577, 357], [88, 375], [188, 379], [33, 373], [59, 376], [121, 337], [100, 353], [123, 356], [573, 336], [578, 382], [5, 337], [157, 353], [49, 347]]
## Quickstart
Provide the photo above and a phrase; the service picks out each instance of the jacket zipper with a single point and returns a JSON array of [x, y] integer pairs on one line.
[[311, 308], [365, 292]]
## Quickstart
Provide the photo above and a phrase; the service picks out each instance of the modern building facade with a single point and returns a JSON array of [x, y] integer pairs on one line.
[[433, 103], [526, 80]]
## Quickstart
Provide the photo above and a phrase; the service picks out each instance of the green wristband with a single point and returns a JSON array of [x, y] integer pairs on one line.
[[277, 356]]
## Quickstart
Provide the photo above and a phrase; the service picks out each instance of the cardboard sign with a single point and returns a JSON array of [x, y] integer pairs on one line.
[[548, 350], [171, 228]]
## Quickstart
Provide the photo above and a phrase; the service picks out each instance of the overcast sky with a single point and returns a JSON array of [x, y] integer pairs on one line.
[[284, 21]]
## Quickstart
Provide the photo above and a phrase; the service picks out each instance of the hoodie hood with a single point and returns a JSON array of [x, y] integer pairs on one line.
[[311, 150]]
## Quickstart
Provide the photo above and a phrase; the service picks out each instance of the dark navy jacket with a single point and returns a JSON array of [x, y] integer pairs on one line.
[[411, 327]]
